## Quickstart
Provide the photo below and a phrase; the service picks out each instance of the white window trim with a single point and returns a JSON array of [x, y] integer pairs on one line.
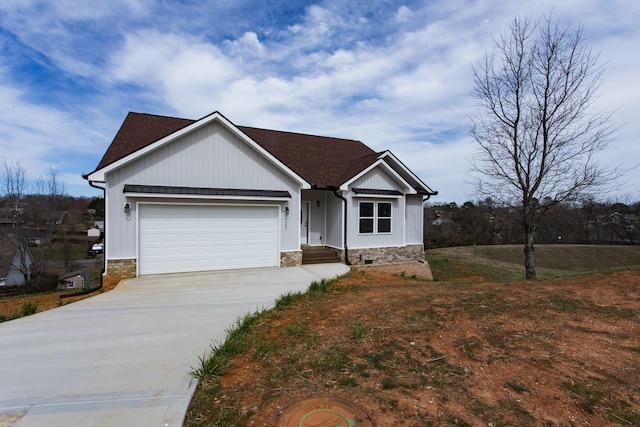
[[375, 218]]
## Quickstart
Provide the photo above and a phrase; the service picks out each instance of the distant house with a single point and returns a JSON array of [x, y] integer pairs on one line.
[[60, 217], [74, 280], [35, 238], [15, 261]]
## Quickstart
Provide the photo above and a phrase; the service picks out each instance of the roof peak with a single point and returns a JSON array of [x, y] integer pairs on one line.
[[297, 133]]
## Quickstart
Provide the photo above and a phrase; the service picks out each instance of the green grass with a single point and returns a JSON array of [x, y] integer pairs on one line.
[[288, 299], [505, 263], [296, 330], [213, 364], [595, 398], [29, 308], [359, 331]]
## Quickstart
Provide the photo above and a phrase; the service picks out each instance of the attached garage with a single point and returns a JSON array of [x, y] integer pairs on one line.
[[199, 237]]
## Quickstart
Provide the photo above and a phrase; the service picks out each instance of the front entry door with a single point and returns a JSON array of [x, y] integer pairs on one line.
[[304, 223]]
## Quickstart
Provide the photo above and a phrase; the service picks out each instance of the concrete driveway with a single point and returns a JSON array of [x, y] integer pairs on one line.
[[123, 358]]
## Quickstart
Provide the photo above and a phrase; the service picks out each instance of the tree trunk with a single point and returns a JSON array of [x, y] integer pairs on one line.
[[529, 258]]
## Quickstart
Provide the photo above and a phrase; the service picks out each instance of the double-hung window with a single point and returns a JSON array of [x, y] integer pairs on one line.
[[374, 217]]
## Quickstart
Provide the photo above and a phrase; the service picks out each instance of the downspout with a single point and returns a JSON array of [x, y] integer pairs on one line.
[[346, 249], [104, 258]]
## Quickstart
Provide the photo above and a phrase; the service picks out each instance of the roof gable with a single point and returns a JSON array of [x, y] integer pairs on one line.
[[10, 247], [138, 131], [323, 162]]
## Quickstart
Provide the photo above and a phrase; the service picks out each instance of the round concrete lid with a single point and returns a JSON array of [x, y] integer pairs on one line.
[[325, 412]]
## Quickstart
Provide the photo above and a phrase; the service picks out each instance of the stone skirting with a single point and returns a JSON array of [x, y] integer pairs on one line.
[[290, 258], [386, 255], [117, 270]]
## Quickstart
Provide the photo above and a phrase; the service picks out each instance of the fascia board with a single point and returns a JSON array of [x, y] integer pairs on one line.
[[389, 169], [405, 169], [99, 175], [204, 197]]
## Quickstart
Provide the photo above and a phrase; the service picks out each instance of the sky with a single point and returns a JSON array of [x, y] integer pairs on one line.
[[396, 75]]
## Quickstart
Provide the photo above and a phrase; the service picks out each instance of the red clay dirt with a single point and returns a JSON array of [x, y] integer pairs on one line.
[[562, 352]]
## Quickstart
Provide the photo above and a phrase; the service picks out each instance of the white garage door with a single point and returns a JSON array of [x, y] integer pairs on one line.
[[181, 238]]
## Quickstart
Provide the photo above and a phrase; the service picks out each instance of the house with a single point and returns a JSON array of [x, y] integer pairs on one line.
[[192, 195], [56, 217], [74, 280], [35, 238], [15, 261]]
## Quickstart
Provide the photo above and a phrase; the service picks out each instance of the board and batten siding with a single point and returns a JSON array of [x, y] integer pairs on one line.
[[212, 157], [377, 179], [335, 218], [395, 238], [317, 215], [414, 219]]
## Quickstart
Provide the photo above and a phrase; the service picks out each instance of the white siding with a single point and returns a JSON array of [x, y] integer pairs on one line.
[[209, 157], [317, 215], [395, 238], [335, 218], [377, 179], [414, 218]]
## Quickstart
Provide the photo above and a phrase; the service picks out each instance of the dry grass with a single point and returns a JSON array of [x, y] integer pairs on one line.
[[471, 348]]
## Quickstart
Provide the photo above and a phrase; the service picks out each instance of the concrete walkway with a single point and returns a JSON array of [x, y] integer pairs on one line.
[[123, 358]]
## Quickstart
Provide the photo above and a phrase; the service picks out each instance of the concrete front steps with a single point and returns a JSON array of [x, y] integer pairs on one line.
[[311, 255]]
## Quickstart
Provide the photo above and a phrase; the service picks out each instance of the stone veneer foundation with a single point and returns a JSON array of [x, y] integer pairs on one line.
[[290, 258], [386, 255], [120, 269], [117, 270]]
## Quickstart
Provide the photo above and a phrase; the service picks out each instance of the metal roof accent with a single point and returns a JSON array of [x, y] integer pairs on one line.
[[202, 191], [369, 191]]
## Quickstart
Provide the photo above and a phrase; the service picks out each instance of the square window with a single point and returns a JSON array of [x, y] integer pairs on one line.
[[374, 217], [366, 225], [366, 210], [384, 225], [366, 218], [384, 210]]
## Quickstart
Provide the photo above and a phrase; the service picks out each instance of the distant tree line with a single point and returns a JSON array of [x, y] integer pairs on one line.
[[487, 223]]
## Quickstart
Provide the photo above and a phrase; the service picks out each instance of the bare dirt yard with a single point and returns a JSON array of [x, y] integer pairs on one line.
[[12, 307], [472, 348], [415, 352]]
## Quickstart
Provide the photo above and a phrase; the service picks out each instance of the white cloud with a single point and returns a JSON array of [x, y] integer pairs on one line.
[[39, 137], [403, 14], [394, 76], [247, 45]]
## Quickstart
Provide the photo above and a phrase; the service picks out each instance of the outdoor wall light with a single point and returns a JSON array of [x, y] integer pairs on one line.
[[127, 208], [317, 203], [286, 210]]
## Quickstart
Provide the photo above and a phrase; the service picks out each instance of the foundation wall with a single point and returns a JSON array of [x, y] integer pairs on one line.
[[386, 255], [290, 258], [117, 270]]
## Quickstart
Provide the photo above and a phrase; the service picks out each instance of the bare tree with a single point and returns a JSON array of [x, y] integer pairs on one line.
[[50, 193], [28, 212], [538, 135], [14, 186]]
